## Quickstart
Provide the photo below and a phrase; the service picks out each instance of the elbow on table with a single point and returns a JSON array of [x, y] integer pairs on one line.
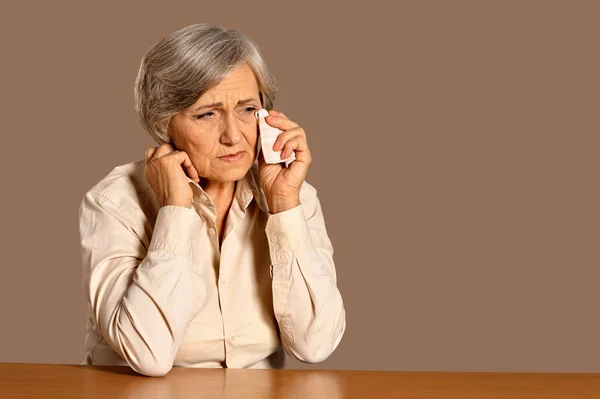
[[315, 349], [152, 368], [151, 361], [149, 364], [314, 353]]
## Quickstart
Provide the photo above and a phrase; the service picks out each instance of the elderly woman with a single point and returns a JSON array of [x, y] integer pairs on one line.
[[200, 254]]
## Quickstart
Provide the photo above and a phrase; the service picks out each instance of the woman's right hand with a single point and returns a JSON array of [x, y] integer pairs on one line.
[[165, 174]]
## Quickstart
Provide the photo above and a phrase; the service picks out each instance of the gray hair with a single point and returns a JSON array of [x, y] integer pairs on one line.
[[182, 66]]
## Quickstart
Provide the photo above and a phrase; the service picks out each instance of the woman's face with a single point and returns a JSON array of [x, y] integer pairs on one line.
[[221, 123]]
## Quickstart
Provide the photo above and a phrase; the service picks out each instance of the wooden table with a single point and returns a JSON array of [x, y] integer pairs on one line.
[[63, 381]]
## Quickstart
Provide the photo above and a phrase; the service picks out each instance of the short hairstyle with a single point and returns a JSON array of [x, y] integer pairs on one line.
[[182, 66]]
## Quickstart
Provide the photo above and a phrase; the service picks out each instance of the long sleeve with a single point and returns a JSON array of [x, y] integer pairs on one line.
[[307, 303], [143, 299]]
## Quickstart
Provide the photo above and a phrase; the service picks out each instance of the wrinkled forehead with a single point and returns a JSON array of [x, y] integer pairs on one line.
[[239, 84]]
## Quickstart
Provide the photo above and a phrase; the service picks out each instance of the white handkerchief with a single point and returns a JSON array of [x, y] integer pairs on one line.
[[268, 136]]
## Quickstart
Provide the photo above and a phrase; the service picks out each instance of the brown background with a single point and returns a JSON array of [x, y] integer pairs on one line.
[[455, 152]]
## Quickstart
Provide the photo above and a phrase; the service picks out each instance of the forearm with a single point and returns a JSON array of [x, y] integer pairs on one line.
[[309, 309], [143, 308], [151, 321], [306, 300]]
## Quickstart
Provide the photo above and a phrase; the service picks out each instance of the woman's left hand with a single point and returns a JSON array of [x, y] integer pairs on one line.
[[282, 185]]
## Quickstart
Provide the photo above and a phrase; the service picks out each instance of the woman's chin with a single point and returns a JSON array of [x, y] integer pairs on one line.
[[232, 174]]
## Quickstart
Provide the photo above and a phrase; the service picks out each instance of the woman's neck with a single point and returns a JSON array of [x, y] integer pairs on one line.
[[221, 193]]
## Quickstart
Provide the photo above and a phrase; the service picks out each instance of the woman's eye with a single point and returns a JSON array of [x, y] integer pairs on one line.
[[205, 115], [250, 109]]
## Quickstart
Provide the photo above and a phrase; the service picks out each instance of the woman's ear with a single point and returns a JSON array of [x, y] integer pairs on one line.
[[170, 142]]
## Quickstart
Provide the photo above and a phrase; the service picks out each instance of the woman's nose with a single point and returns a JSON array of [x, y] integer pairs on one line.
[[231, 133]]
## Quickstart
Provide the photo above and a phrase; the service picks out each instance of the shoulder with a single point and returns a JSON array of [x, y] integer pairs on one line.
[[123, 182], [126, 191], [121, 203]]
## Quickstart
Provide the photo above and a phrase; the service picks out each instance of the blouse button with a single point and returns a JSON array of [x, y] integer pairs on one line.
[[273, 238], [212, 231]]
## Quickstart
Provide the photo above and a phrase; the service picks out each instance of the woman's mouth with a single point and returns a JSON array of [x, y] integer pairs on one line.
[[233, 157]]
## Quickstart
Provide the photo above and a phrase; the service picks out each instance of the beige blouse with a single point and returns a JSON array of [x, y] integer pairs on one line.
[[161, 293]]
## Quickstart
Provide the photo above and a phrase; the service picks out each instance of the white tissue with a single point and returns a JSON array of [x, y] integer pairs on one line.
[[268, 136]]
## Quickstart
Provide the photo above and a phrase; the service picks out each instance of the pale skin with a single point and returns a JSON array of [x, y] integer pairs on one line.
[[222, 122]]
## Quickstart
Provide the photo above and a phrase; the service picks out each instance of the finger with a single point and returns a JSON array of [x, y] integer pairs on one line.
[[277, 113], [300, 146], [186, 163], [192, 172], [287, 135], [280, 122], [163, 150], [150, 153]]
